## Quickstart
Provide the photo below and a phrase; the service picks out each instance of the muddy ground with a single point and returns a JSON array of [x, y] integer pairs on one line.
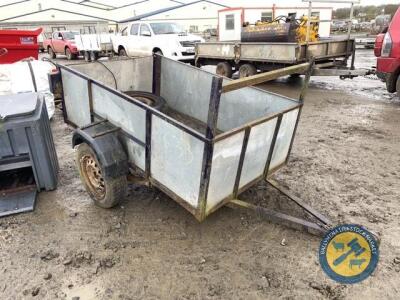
[[345, 162]]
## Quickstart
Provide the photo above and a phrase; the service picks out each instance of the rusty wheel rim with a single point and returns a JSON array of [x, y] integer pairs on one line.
[[93, 176]]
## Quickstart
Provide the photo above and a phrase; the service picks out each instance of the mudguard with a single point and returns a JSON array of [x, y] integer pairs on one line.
[[108, 148]]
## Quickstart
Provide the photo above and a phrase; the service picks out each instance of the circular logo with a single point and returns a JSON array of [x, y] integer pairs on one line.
[[348, 253]]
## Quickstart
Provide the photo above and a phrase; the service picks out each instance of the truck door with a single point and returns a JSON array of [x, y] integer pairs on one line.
[[57, 42], [145, 40], [133, 40]]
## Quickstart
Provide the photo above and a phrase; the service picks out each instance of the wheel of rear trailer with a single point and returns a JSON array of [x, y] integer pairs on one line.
[[224, 69], [93, 55], [398, 86], [51, 53], [247, 70], [105, 192], [86, 55]]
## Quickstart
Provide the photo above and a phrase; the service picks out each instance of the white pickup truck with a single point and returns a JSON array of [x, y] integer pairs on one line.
[[142, 38]]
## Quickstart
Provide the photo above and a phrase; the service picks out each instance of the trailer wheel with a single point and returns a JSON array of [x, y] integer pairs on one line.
[[93, 55], [86, 55], [105, 192], [247, 70], [51, 53], [398, 86], [224, 69]]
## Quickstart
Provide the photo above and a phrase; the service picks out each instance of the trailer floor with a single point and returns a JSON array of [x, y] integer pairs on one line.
[[345, 162]]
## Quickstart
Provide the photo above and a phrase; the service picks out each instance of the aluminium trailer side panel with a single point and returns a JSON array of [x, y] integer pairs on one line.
[[288, 53]]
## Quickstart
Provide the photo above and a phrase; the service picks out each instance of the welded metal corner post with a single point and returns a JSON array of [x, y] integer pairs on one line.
[[156, 84], [64, 108], [90, 97], [215, 97], [156, 74], [241, 161], [272, 147]]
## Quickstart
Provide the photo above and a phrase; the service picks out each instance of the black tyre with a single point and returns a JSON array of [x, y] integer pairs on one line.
[[86, 56], [148, 98], [398, 86], [224, 69], [69, 54], [105, 192], [51, 53], [122, 52], [93, 56], [247, 70], [391, 82]]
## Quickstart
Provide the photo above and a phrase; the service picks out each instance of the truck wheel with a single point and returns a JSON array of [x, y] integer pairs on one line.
[[122, 52], [398, 86], [93, 56], [105, 192], [391, 79], [247, 70], [51, 53], [86, 55], [69, 54], [224, 69]]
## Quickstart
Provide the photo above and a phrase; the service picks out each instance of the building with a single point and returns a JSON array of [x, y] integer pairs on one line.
[[84, 16], [194, 16], [230, 20]]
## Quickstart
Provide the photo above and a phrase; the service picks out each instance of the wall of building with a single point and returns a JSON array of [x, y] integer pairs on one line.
[[230, 34], [196, 17]]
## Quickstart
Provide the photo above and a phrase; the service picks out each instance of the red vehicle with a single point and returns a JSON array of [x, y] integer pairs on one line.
[[387, 49], [62, 42]]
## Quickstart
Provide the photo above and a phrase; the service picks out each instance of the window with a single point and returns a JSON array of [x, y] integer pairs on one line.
[[194, 28], [134, 29], [266, 16], [166, 28], [145, 30], [61, 28], [315, 14], [88, 29], [229, 22], [124, 31]]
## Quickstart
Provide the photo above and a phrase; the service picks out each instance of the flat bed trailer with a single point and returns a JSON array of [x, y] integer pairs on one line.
[[330, 56]]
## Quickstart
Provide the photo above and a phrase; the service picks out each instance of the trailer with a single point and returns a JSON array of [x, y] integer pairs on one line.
[[330, 55], [249, 58], [93, 46], [200, 138]]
